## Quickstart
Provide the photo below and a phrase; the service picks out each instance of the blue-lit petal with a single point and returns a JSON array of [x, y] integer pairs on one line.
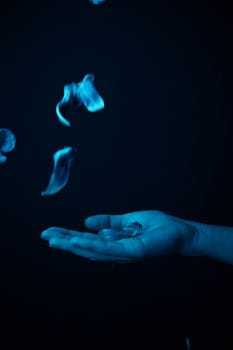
[[88, 94], [2, 158], [7, 143], [62, 159], [80, 93], [89, 77], [126, 231], [7, 140], [133, 229], [60, 116], [69, 96], [97, 2]]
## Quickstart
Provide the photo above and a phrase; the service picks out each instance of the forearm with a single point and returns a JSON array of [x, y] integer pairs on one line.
[[212, 241]]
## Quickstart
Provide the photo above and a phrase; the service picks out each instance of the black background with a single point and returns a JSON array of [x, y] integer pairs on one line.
[[163, 141]]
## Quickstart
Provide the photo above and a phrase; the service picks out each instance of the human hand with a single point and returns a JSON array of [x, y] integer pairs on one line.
[[160, 234]]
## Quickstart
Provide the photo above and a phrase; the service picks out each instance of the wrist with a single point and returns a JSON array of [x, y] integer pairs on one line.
[[195, 238], [208, 241]]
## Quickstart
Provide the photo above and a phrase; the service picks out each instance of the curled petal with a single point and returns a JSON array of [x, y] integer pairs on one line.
[[7, 140], [89, 77], [60, 116], [7, 143], [97, 2], [63, 160], [2, 158], [127, 231], [69, 95], [80, 93], [88, 94]]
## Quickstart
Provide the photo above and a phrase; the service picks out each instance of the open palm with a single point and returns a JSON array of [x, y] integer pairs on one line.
[[161, 234]]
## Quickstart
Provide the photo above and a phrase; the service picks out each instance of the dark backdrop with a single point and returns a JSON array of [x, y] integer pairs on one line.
[[163, 141]]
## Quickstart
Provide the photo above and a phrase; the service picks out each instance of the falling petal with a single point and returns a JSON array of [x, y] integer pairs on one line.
[[133, 229], [88, 94], [2, 158], [80, 93], [69, 95], [88, 77], [63, 160], [7, 143], [60, 116], [188, 343], [97, 2]]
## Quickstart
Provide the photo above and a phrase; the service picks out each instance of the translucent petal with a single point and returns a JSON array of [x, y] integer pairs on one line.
[[89, 77], [2, 158], [187, 343], [7, 143], [63, 160], [97, 2], [80, 93], [88, 94], [69, 94], [127, 231], [60, 116], [7, 140], [133, 229]]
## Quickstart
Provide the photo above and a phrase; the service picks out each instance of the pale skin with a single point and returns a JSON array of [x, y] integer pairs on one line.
[[162, 234]]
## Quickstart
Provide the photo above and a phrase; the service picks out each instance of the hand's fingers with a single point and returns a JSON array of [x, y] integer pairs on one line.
[[66, 245], [127, 248], [52, 232], [98, 222], [61, 232], [61, 243]]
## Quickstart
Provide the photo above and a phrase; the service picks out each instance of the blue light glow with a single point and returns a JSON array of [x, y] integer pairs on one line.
[[88, 94], [7, 143], [126, 231], [97, 2], [80, 93], [63, 160]]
